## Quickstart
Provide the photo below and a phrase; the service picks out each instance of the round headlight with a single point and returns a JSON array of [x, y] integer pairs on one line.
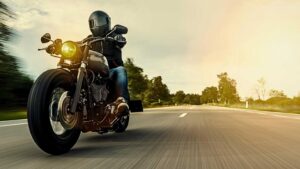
[[68, 49]]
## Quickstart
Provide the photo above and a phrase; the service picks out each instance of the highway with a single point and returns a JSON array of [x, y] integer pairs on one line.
[[187, 137]]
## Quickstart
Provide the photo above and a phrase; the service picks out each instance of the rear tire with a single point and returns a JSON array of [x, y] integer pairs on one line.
[[38, 113], [122, 124]]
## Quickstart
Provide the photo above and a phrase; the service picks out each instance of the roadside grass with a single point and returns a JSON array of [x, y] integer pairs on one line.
[[265, 107], [13, 114]]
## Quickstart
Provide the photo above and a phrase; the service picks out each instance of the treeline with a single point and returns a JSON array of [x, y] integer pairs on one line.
[[277, 100], [15, 85], [225, 93], [153, 92]]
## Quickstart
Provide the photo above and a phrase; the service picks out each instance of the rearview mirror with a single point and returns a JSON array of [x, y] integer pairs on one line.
[[119, 29], [46, 38]]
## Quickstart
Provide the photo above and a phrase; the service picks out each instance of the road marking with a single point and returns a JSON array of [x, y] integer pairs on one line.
[[287, 117], [261, 113], [275, 115], [182, 115], [8, 125]]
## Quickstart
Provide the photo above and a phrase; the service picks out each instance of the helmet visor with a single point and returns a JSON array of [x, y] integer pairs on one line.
[[100, 21]]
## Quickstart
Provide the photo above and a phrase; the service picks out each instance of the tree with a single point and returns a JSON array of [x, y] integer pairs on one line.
[[260, 89], [137, 81], [210, 95], [179, 97], [227, 89], [277, 93], [193, 99], [277, 97], [157, 91], [15, 85]]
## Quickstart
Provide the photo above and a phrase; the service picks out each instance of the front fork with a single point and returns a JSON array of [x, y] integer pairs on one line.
[[80, 77]]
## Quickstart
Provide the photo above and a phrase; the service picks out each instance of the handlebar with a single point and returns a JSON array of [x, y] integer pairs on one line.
[[45, 48], [85, 42], [91, 40]]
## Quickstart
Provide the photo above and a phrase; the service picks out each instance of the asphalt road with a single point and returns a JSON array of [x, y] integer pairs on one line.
[[176, 138]]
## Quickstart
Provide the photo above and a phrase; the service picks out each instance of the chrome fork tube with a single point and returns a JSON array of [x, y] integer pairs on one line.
[[80, 76]]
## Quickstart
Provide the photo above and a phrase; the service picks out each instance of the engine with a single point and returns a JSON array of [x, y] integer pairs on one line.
[[99, 90]]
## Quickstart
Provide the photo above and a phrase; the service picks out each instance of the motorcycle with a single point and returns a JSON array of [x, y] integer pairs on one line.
[[78, 96]]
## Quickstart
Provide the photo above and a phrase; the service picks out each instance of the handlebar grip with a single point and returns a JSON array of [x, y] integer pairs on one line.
[[42, 49]]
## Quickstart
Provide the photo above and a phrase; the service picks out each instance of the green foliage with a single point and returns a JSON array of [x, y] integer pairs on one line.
[[154, 92], [151, 92], [227, 89], [277, 97], [157, 92], [137, 82], [296, 100], [12, 114], [277, 93], [15, 85], [178, 97], [193, 99], [279, 102], [210, 95]]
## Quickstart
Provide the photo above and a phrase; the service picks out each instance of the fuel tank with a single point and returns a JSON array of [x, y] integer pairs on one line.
[[98, 63]]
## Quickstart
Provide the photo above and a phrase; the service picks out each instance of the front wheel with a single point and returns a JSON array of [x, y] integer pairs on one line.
[[43, 117]]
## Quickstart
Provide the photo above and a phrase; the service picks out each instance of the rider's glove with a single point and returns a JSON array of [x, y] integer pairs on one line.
[[120, 41]]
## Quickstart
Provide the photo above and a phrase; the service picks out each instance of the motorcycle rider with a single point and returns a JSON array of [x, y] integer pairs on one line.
[[100, 26]]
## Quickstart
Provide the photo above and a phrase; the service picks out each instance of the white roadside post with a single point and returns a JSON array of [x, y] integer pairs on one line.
[[247, 105]]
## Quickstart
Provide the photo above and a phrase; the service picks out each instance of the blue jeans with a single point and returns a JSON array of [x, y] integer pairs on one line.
[[119, 74]]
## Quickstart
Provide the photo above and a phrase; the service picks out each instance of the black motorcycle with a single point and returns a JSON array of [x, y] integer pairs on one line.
[[78, 96]]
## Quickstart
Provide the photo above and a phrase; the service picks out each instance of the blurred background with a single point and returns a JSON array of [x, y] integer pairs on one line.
[[219, 52]]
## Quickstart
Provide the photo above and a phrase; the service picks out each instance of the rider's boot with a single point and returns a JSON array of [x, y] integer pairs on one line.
[[122, 107]]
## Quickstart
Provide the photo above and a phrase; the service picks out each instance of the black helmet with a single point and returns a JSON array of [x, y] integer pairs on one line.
[[99, 23]]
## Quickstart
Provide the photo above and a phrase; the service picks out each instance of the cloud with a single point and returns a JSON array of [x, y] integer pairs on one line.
[[40, 12], [28, 14]]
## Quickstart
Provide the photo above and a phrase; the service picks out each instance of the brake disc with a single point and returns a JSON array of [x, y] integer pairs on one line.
[[67, 119]]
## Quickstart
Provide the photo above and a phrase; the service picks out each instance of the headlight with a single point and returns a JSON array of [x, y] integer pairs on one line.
[[68, 49]]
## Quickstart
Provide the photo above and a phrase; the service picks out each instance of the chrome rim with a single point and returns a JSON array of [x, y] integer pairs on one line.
[[123, 120], [56, 125]]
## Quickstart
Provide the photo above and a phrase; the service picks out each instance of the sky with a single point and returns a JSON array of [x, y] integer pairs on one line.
[[187, 42]]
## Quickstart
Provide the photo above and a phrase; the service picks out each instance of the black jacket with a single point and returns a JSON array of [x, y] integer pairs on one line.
[[112, 50]]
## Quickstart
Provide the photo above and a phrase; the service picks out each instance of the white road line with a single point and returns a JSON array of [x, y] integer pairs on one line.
[[261, 113], [276, 115], [287, 117], [8, 125], [182, 115]]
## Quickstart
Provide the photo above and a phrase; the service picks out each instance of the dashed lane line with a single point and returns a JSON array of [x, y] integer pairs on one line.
[[8, 125], [182, 115]]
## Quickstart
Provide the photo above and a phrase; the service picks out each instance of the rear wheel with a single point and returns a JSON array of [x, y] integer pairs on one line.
[[43, 112], [122, 124]]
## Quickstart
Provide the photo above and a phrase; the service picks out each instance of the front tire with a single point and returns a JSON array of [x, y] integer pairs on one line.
[[40, 105]]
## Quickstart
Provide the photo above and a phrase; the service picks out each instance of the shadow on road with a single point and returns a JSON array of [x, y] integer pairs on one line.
[[115, 144]]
